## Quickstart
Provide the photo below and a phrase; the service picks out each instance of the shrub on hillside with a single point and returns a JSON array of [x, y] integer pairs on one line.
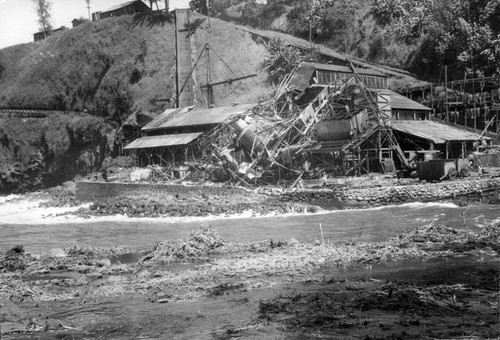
[[281, 60]]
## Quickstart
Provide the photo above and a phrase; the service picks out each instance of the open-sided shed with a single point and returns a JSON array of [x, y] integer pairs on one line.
[[431, 135], [173, 136]]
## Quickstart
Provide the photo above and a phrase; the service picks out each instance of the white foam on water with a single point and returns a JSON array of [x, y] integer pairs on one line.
[[22, 210], [421, 205], [8, 198], [413, 205], [16, 209]]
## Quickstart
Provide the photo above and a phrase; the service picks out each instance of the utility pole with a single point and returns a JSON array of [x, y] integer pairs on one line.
[[208, 12], [210, 90], [88, 8]]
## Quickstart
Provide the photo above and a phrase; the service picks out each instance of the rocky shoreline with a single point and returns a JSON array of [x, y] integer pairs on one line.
[[473, 190], [274, 201]]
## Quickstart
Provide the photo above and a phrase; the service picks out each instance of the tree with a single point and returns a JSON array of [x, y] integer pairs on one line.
[[201, 6], [251, 13], [492, 52], [307, 18], [43, 8], [281, 60]]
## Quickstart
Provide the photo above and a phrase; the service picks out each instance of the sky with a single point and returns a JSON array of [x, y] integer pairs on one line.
[[18, 19]]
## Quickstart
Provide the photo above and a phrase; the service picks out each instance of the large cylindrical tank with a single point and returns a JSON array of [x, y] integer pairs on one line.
[[249, 138], [334, 130]]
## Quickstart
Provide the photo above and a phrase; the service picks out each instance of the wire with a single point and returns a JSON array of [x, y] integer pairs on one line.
[[223, 62]]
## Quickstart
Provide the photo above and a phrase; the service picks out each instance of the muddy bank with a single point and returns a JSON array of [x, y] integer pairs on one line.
[[434, 281]]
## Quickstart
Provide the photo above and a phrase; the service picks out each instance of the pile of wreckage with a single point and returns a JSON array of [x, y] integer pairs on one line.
[[325, 120]]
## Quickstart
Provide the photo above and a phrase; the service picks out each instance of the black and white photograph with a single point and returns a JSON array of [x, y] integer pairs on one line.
[[249, 169]]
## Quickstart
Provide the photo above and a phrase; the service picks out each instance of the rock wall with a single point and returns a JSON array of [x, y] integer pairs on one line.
[[326, 198], [354, 198]]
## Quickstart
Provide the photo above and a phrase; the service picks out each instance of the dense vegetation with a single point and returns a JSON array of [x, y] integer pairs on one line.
[[418, 35]]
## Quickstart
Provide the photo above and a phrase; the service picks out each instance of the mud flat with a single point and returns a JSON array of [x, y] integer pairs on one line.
[[431, 282]]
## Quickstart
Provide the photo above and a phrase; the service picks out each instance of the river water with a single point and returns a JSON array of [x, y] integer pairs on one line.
[[22, 222]]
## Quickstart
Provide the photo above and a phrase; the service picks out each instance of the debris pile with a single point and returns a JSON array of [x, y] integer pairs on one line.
[[13, 259], [198, 243], [384, 309], [442, 238], [270, 143]]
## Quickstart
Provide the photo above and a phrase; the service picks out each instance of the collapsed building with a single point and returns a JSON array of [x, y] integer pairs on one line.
[[325, 119]]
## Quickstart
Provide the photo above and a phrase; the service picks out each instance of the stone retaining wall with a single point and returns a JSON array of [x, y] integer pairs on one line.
[[327, 198], [91, 191], [338, 198]]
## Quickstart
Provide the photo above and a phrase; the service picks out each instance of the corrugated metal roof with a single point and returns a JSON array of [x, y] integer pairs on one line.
[[122, 5], [183, 118], [345, 69], [403, 103], [436, 132], [164, 117], [163, 140], [306, 45], [301, 78]]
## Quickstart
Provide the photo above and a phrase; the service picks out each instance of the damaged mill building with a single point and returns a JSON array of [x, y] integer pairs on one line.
[[325, 120]]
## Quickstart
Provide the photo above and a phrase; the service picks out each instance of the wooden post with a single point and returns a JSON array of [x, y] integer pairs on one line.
[[446, 92], [379, 146], [497, 127], [368, 161]]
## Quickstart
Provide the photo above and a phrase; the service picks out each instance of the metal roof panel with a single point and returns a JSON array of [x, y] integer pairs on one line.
[[163, 118], [163, 140], [433, 131], [403, 103], [345, 69], [183, 118]]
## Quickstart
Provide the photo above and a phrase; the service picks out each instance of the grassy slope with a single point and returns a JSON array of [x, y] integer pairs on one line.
[[237, 50], [119, 65], [89, 67]]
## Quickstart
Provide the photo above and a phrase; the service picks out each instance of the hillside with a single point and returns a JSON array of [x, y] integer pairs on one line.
[[120, 65], [109, 69], [420, 36]]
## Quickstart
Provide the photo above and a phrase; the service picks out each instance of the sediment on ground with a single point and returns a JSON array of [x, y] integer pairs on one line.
[[213, 268]]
